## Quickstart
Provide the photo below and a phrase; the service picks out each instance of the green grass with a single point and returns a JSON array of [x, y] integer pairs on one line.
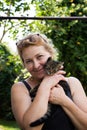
[[8, 125]]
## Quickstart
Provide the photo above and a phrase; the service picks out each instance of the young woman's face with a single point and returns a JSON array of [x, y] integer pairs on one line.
[[34, 59]]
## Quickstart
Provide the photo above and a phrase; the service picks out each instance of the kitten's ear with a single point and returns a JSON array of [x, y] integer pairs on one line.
[[49, 59], [61, 65]]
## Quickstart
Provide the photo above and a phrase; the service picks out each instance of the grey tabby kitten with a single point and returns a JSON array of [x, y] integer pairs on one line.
[[50, 67]]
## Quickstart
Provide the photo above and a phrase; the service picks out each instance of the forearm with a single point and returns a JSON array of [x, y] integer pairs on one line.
[[78, 117], [38, 107]]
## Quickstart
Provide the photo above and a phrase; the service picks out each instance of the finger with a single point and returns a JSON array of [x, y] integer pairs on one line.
[[61, 72], [58, 85], [60, 77]]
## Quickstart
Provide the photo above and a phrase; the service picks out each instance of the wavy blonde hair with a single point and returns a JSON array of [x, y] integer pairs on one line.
[[36, 39]]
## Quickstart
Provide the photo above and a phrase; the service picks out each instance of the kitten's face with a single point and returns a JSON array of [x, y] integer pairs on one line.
[[52, 66]]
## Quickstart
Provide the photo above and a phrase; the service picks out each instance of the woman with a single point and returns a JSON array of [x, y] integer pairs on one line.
[[34, 50]]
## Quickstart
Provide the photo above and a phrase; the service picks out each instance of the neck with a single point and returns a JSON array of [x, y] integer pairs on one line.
[[34, 80]]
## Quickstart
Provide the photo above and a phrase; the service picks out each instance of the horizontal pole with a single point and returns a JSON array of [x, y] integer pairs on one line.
[[42, 18]]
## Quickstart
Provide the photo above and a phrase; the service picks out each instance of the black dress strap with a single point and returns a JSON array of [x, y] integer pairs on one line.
[[27, 85]]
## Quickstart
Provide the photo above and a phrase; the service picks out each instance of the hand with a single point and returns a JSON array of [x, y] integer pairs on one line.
[[57, 95], [62, 72], [52, 80]]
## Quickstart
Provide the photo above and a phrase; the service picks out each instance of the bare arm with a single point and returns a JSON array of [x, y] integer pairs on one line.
[[26, 111], [76, 109]]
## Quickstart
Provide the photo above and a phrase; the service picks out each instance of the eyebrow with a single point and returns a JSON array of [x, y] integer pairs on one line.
[[28, 59], [35, 55]]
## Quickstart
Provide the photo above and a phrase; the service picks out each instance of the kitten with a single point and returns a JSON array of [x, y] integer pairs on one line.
[[50, 67]]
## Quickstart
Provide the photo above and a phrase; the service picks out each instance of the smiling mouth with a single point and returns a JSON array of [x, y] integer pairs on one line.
[[40, 71]]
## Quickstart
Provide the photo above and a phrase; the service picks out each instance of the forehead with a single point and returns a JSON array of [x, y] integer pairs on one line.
[[32, 51]]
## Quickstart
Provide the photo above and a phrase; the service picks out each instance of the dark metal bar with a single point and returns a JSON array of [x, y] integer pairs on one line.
[[43, 18]]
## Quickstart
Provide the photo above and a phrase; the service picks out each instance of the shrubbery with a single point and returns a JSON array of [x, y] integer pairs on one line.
[[10, 68]]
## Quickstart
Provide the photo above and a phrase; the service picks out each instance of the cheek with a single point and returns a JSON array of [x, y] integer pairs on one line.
[[29, 67]]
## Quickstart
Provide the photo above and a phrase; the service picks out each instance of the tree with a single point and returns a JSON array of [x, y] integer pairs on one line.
[[14, 8], [68, 36], [10, 68]]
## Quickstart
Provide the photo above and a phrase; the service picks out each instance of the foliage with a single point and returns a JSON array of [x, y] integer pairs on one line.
[[72, 48], [8, 125], [69, 37], [61, 7], [10, 27], [9, 69]]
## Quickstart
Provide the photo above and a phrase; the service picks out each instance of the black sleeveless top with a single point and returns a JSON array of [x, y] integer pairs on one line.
[[59, 120]]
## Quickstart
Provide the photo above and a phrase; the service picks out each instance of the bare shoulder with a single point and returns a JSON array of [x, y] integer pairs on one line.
[[77, 89], [71, 79], [15, 85], [78, 93], [75, 85], [18, 87]]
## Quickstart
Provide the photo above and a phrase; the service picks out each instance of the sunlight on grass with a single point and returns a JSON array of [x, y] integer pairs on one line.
[[8, 128], [8, 125]]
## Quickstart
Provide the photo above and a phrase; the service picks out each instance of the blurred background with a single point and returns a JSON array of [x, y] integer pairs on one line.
[[68, 36]]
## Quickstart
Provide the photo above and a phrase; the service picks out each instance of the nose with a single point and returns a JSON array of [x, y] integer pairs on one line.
[[36, 64]]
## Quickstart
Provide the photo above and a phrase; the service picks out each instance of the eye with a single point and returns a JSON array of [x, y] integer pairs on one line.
[[40, 56], [29, 61]]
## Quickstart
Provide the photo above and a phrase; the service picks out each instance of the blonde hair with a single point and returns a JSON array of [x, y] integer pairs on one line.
[[36, 39]]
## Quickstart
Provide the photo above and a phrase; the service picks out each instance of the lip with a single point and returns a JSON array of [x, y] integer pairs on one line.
[[40, 71]]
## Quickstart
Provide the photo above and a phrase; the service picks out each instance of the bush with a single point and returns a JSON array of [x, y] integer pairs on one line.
[[10, 67]]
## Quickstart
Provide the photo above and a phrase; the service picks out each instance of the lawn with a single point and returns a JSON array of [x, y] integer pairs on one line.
[[8, 125]]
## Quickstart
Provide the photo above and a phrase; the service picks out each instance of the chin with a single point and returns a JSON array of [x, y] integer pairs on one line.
[[41, 76]]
